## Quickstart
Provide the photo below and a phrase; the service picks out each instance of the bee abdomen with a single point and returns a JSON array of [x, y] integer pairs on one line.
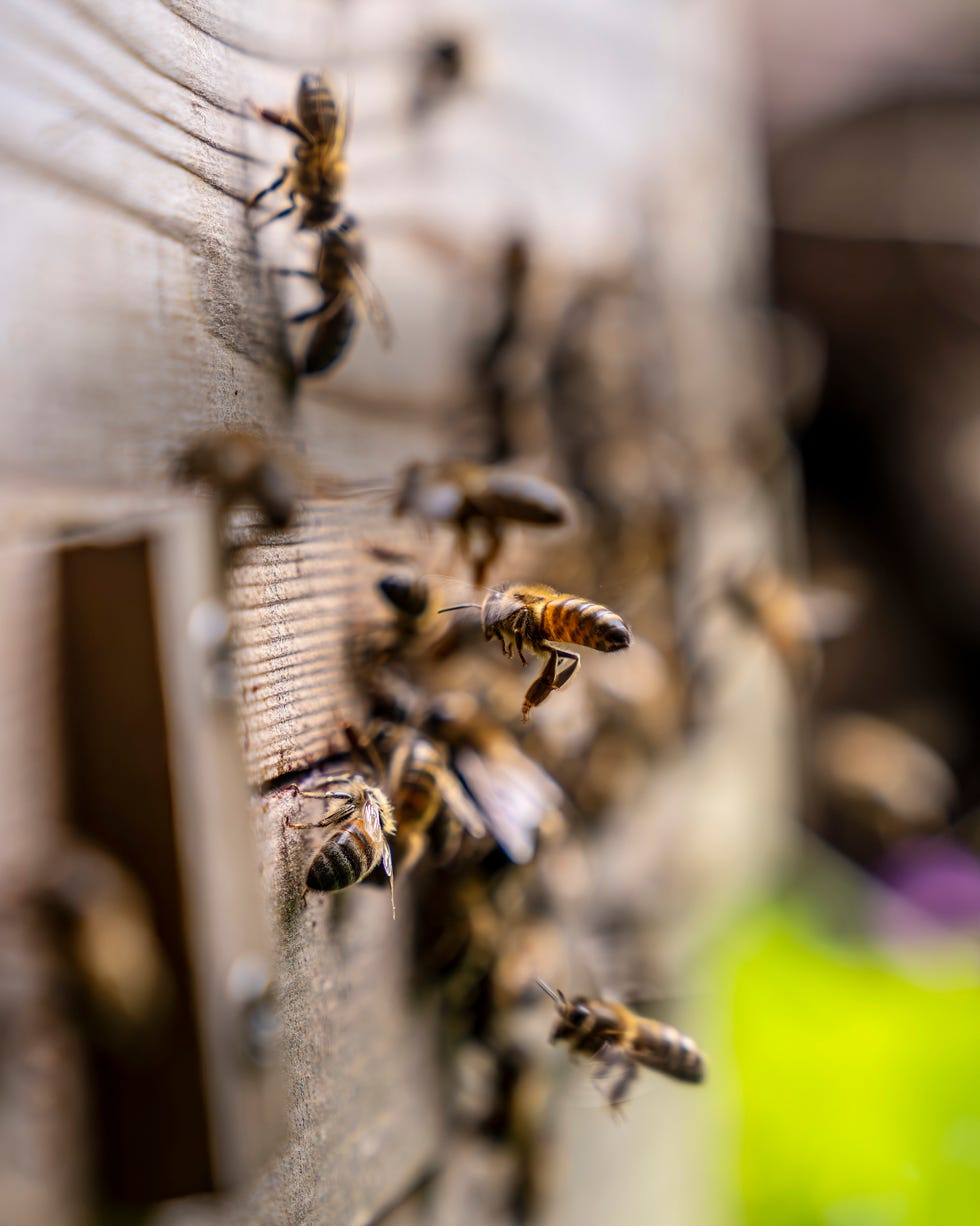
[[572, 619], [672, 1053], [316, 105], [418, 797], [330, 339], [344, 860]]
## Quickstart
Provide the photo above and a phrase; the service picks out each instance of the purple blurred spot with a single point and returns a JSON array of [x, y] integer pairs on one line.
[[936, 877]]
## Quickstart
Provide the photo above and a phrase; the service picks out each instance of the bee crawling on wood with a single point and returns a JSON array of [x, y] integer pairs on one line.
[[318, 172], [622, 1042], [479, 501], [515, 797], [241, 466], [536, 617], [423, 787], [358, 832], [340, 274]]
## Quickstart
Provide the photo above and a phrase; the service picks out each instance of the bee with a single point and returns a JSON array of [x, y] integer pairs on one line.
[[793, 619], [423, 786], [102, 920], [240, 466], [514, 795], [535, 616], [478, 500], [622, 1041], [878, 777], [318, 173], [341, 276], [441, 65], [359, 829], [403, 587]]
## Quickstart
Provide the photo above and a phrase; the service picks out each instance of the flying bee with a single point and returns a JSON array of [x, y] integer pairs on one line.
[[240, 466], [318, 172], [795, 620], [359, 829], [441, 66], [622, 1041], [103, 922], [341, 275], [535, 616], [478, 501], [422, 786]]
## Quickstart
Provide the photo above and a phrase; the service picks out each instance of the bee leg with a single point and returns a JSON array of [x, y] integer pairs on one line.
[[293, 272], [253, 200], [330, 819], [327, 308], [481, 562], [542, 685], [281, 121], [566, 673], [549, 679], [610, 1060], [267, 221], [414, 849]]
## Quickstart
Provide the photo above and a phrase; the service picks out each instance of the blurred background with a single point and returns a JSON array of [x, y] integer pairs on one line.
[[708, 265]]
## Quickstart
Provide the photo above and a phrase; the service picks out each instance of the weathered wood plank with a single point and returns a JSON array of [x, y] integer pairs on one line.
[[43, 1169]]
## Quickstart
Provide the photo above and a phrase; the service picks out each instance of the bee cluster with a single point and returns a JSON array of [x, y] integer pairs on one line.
[[506, 831]]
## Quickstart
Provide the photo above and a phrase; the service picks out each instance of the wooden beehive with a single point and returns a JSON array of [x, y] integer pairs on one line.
[[138, 309]]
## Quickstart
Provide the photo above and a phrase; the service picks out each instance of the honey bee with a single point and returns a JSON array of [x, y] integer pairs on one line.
[[514, 795], [359, 830], [423, 786], [318, 172], [478, 501], [340, 275], [103, 922], [441, 65], [793, 619], [241, 467], [536, 616], [622, 1041]]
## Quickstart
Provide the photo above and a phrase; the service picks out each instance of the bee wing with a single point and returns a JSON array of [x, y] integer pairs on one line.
[[437, 500], [342, 127], [514, 799], [371, 816], [372, 302], [461, 807]]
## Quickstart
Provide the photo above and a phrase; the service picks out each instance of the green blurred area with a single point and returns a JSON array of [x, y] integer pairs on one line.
[[857, 1075]]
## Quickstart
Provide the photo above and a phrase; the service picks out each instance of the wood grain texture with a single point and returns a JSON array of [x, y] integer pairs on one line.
[[365, 1112], [298, 600]]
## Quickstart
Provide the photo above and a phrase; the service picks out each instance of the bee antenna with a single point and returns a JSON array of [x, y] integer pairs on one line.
[[557, 996], [453, 607]]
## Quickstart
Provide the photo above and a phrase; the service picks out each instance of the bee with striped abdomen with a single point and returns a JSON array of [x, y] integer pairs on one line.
[[318, 172], [535, 616], [341, 275], [358, 832], [423, 786], [479, 501], [622, 1042]]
